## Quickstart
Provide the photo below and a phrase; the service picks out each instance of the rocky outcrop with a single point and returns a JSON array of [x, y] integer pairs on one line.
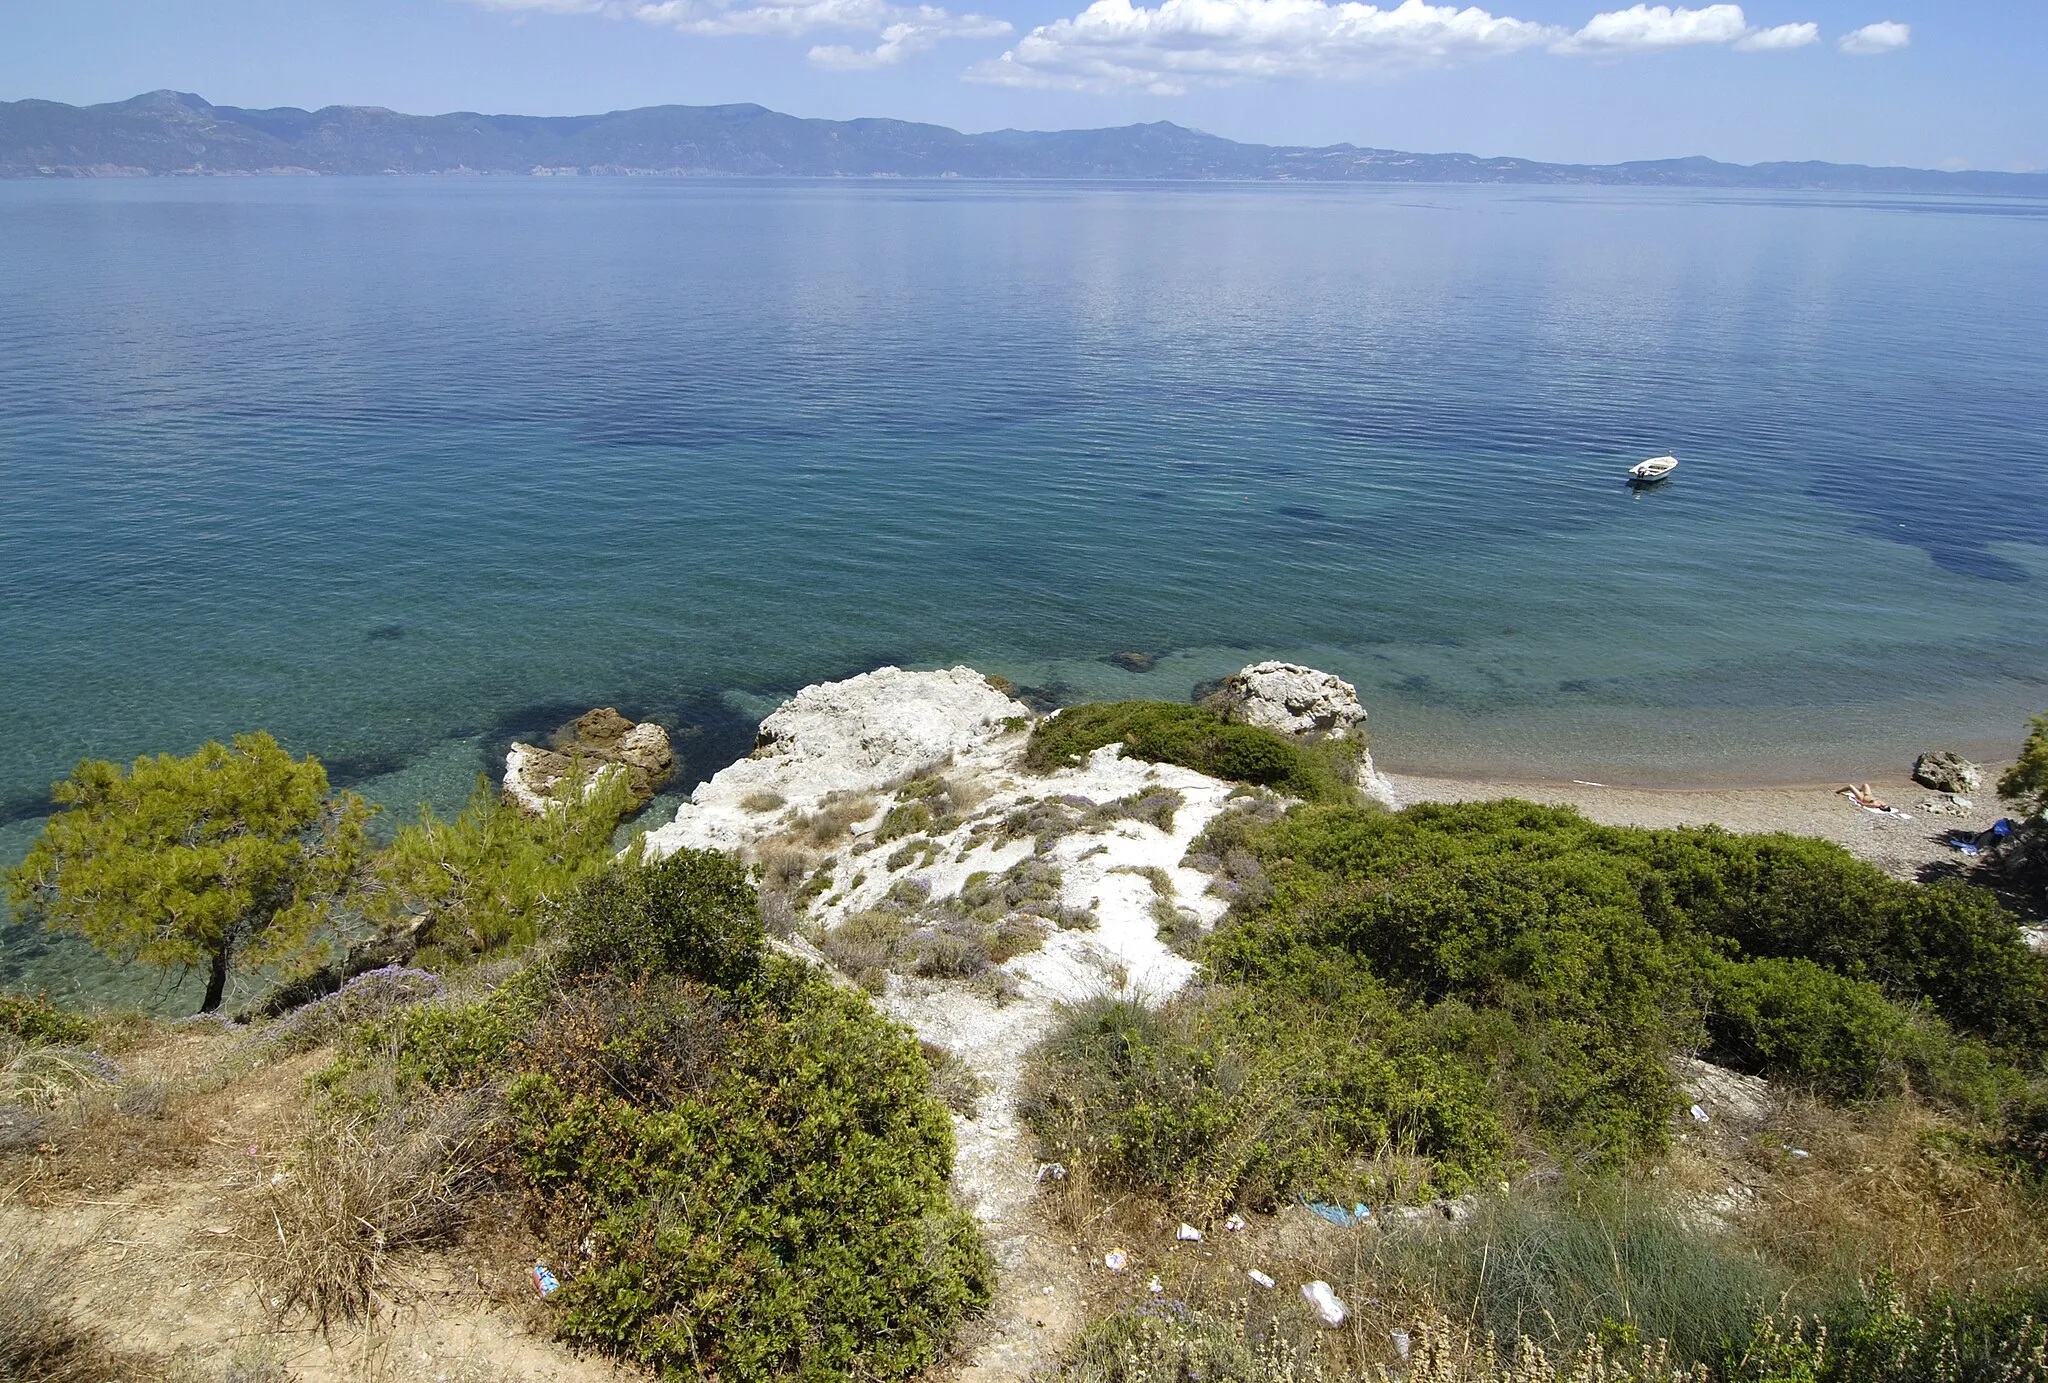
[[1947, 771], [846, 738], [1307, 704], [1292, 699], [597, 743]]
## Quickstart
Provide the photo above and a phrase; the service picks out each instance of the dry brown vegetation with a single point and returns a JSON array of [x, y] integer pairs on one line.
[[40, 1339], [1895, 1189], [356, 1194], [836, 815]]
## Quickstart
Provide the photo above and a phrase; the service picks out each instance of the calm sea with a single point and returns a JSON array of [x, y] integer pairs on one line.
[[398, 469]]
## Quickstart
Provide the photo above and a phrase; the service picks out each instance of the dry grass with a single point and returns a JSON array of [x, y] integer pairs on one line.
[[357, 1193], [1444, 1352], [836, 815], [248, 1361], [101, 1140], [1895, 1189], [41, 1077], [762, 801], [781, 866], [39, 1340]]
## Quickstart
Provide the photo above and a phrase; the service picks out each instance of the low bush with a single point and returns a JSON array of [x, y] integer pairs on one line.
[[1794, 1020], [1419, 985], [366, 998], [694, 913], [1216, 1100], [33, 1020], [737, 1169], [1611, 948], [1200, 739]]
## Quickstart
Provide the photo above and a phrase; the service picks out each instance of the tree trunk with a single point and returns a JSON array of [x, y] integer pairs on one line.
[[216, 978]]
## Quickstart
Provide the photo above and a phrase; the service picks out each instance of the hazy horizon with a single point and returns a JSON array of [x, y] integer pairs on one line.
[[1905, 84]]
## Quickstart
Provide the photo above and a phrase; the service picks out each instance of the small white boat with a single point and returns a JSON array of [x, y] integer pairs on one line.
[[1653, 470]]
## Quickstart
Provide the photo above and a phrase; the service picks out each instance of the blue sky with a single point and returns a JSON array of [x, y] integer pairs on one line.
[[1878, 81]]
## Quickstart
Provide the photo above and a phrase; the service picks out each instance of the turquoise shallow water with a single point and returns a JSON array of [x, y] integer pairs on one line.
[[400, 468]]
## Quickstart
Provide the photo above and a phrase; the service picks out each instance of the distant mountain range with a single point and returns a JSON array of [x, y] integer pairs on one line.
[[171, 133]]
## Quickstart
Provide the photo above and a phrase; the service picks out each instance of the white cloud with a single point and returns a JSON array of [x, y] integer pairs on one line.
[[1654, 28], [1885, 36], [1115, 44], [1118, 45], [901, 29], [1779, 38], [905, 37]]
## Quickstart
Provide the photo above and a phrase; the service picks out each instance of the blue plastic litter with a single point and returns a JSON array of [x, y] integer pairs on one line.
[[545, 1280], [1337, 1215]]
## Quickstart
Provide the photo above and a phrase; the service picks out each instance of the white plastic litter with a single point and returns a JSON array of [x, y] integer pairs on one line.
[[1188, 1234], [1329, 1307], [1255, 1275], [1116, 1260], [1234, 1223], [1401, 1343], [1699, 1116], [1051, 1171], [1155, 1286], [1799, 1152]]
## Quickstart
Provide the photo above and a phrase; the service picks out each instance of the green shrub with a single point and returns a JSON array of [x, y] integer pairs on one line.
[[1559, 947], [1215, 1101], [1193, 737], [1793, 1018], [739, 1170], [1609, 946], [33, 1021], [2026, 782], [694, 913]]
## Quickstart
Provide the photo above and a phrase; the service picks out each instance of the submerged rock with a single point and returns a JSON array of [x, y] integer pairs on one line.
[[1944, 770], [1133, 661], [602, 742]]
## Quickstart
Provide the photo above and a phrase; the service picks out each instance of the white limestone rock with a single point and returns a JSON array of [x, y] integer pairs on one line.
[[1293, 700], [847, 737], [1308, 704]]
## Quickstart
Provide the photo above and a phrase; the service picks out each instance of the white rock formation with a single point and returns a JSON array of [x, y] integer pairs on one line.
[[1294, 700], [845, 737], [1308, 704]]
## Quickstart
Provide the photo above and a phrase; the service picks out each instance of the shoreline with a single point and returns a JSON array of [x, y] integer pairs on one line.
[[1907, 847]]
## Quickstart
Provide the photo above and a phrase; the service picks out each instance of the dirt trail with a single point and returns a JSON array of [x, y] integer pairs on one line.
[[158, 1259]]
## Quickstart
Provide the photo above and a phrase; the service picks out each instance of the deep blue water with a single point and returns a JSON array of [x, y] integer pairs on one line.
[[398, 468]]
